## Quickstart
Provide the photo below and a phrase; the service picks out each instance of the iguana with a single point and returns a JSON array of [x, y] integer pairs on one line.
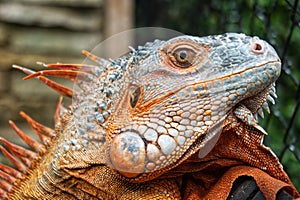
[[172, 119]]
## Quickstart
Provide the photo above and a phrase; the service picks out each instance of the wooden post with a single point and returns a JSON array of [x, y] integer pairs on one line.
[[119, 16]]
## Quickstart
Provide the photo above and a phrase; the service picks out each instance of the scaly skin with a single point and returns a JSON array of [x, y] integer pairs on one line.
[[136, 119]]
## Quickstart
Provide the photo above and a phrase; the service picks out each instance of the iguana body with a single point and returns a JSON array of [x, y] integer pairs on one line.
[[141, 122]]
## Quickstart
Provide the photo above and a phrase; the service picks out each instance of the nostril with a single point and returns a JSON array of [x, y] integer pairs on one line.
[[257, 47]]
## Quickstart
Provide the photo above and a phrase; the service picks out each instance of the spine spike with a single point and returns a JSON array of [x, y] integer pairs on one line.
[[25, 161], [261, 113], [60, 109], [273, 94], [38, 147], [20, 166], [72, 75], [266, 107], [37, 127], [73, 67], [270, 98], [57, 87], [3, 194], [10, 171], [18, 151], [23, 69], [5, 186], [95, 58], [5, 176]]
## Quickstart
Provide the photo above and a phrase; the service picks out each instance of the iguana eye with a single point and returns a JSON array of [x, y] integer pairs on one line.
[[182, 57]]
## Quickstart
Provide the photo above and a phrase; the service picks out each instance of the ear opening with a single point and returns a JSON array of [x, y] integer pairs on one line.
[[134, 95]]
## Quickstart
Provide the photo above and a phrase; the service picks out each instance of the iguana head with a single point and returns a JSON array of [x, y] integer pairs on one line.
[[168, 99]]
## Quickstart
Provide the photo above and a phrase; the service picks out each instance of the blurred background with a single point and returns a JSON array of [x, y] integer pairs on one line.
[[53, 31]]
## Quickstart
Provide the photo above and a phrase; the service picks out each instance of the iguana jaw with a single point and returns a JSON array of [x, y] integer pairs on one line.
[[249, 109], [245, 110]]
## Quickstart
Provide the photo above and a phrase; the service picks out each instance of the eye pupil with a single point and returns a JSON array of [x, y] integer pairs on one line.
[[183, 58], [182, 55]]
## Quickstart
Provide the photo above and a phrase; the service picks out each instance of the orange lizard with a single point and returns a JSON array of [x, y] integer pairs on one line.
[[172, 119]]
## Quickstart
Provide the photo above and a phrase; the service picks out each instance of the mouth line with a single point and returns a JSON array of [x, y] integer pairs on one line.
[[207, 81], [251, 68]]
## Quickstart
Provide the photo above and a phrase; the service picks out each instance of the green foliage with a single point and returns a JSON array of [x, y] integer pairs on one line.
[[271, 20]]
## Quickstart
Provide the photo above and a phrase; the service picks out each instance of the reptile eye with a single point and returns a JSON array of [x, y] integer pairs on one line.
[[182, 57]]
